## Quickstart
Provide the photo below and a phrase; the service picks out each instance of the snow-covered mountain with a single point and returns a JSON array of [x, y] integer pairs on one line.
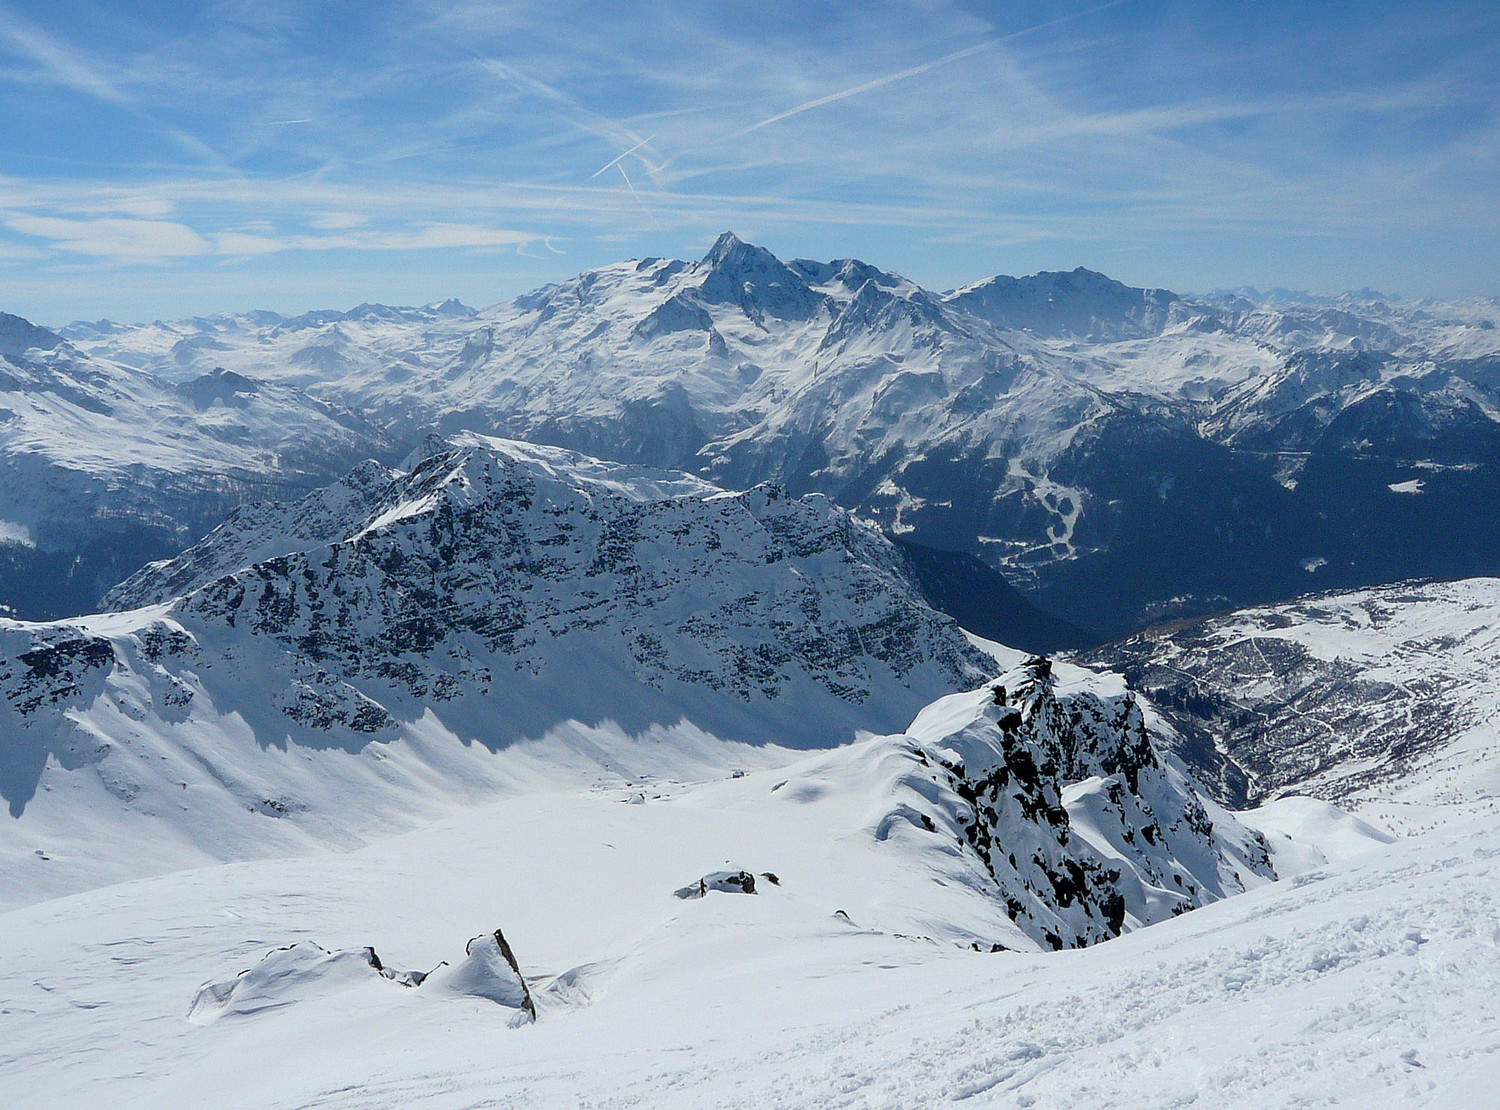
[[1121, 454], [103, 466], [491, 592], [1078, 305], [324, 671], [1382, 700], [484, 778]]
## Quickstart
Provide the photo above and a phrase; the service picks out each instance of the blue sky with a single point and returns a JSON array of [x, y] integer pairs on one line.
[[162, 157]]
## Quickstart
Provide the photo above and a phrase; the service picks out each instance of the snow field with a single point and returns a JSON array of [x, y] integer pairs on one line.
[[1371, 982]]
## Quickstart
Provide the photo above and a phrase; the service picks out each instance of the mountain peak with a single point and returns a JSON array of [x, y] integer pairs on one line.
[[18, 335], [755, 279], [1079, 303], [733, 254], [724, 246]]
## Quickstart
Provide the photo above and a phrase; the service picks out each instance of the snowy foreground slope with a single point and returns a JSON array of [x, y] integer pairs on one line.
[[1368, 981]]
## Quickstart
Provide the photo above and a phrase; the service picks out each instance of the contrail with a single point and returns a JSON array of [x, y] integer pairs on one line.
[[633, 193], [621, 158], [914, 71]]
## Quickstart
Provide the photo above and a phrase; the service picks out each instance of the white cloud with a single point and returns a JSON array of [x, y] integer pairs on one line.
[[243, 243], [432, 236], [337, 221], [14, 253], [124, 240]]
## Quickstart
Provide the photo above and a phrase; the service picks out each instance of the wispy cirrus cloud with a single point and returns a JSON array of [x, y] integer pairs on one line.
[[125, 240], [427, 237], [55, 63]]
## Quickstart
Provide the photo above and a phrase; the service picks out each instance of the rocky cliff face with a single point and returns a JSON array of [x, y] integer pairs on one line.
[[1086, 829], [491, 566]]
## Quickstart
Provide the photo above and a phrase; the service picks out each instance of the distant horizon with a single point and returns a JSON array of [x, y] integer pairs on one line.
[[185, 157], [1309, 295]]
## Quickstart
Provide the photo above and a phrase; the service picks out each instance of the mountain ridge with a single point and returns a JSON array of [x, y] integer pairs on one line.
[[1133, 455]]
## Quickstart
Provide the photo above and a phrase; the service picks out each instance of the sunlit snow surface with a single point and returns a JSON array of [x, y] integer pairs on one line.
[[1372, 982], [1366, 977]]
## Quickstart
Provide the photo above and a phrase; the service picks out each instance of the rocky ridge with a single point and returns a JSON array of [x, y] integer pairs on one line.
[[494, 592]]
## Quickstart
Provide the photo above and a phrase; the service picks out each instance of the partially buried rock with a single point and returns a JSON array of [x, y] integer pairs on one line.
[[730, 882], [304, 970], [287, 975], [488, 970]]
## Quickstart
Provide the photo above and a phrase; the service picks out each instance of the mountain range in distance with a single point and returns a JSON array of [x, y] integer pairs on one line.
[[1119, 456], [686, 704]]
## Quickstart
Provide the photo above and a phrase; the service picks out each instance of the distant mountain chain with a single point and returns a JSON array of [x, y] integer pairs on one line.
[[1122, 455]]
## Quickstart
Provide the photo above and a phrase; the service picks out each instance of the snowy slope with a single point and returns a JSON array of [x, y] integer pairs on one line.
[[1371, 984], [1381, 700]]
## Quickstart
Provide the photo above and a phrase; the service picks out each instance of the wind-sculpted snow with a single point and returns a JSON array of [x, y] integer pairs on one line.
[[1381, 699]]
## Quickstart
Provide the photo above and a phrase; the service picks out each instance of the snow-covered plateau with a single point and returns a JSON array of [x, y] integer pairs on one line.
[[504, 776]]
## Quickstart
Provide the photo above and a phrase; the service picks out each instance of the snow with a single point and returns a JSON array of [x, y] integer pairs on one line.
[[276, 840], [13, 533], [1368, 983], [232, 854], [1305, 834], [192, 944]]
